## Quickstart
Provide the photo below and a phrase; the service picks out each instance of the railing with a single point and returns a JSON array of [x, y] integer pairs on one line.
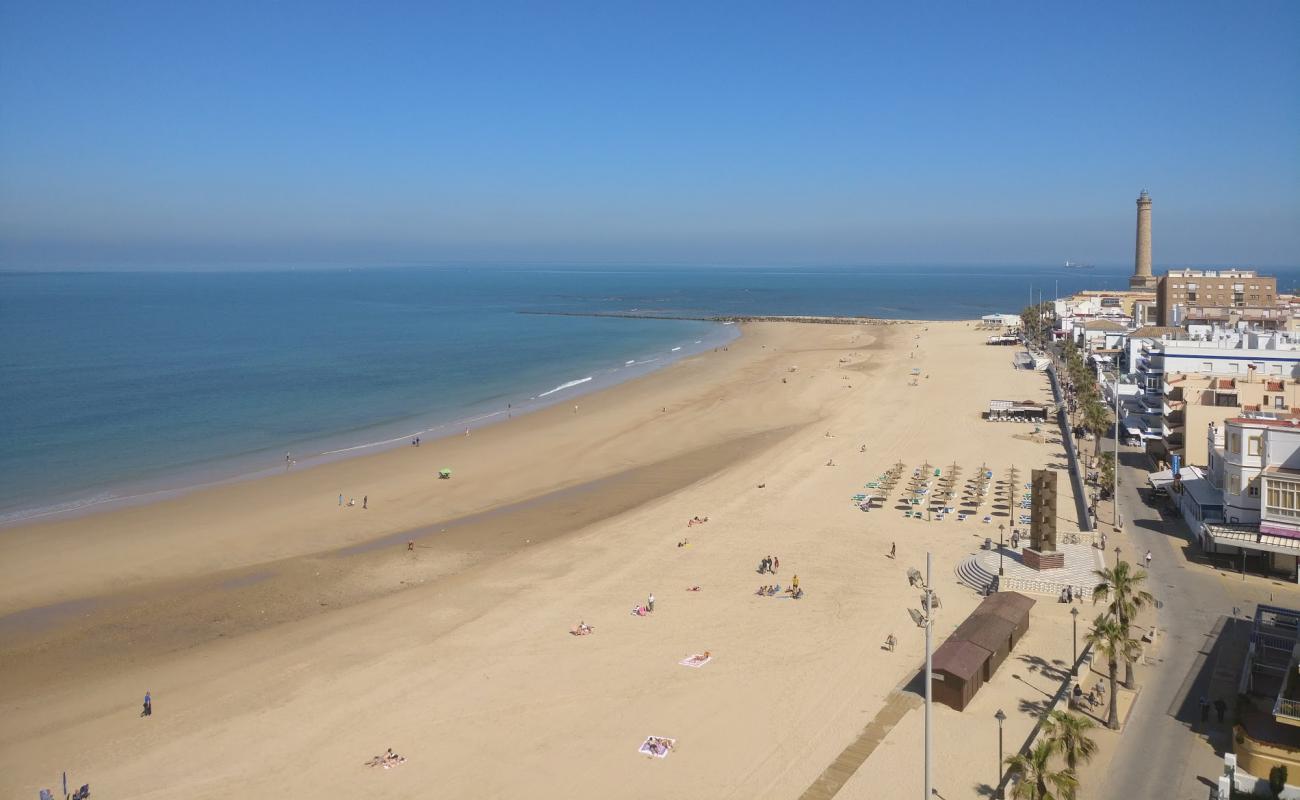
[[1286, 708], [1037, 586]]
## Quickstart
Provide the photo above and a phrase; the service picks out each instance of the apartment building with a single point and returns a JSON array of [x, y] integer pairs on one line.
[[1191, 402], [1180, 291], [1255, 462]]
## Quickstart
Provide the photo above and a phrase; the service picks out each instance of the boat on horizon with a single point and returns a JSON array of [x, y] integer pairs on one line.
[[1072, 265]]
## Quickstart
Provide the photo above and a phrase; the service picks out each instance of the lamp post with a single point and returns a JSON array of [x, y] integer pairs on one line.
[[1117, 556], [1001, 529], [1114, 473], [1000, 717], [1074, 670], [929, 676]]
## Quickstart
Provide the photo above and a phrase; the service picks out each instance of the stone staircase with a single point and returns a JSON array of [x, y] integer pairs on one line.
[[974, 574]]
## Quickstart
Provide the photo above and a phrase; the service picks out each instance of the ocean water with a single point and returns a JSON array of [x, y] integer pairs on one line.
[[123, 385]]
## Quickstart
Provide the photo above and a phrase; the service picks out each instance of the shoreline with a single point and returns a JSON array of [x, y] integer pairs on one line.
[[175, 522], [239, 468]]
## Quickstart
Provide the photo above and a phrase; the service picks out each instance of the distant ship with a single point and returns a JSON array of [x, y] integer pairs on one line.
[[1072, 265]]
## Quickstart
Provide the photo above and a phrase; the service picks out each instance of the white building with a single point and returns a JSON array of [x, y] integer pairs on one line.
[[1255, 465]]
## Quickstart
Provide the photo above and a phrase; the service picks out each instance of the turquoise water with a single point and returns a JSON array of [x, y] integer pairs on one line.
[[121, 384]]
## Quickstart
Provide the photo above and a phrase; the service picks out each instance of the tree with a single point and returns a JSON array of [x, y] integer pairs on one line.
[[1096, 419], [1106, 471], [1122, 588], [1277, 780], [1036, 779], [1068, 735], [1112, 641]]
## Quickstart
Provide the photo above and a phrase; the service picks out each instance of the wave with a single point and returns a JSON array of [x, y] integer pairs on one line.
[[564, 386], [629, 363], [675, 349]]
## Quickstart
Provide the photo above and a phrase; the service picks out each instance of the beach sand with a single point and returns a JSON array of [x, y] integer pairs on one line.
[[287, 640]]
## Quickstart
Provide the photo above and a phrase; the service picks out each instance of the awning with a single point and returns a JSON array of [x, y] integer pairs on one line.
[[1162, 479], [1248, 537]]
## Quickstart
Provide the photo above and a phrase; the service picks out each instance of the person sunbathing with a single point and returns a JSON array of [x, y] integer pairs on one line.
[[692, 588], [682, 543]]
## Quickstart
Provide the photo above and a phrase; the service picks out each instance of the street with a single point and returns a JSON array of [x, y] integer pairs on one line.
[[1203, 621]]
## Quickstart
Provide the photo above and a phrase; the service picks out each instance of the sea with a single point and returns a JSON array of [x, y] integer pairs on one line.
[[120, 387]]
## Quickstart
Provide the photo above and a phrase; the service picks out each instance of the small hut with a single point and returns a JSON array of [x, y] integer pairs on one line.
[[970, 656]]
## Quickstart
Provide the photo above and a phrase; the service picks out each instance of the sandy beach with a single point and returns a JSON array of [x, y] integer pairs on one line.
[[286, 639]]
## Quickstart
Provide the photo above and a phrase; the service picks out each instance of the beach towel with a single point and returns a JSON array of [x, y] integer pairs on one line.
[[657, 746], [698, 660]]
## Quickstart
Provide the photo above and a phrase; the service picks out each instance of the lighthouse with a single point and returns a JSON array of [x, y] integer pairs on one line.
[[1142, 278]]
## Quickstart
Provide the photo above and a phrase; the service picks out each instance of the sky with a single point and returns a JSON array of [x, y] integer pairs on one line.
[[175, 135]]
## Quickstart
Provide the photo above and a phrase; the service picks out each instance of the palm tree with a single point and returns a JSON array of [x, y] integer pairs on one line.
[[1112, 641], [1037, 780], [1068, 734], [1096, 418], [1122, 587]]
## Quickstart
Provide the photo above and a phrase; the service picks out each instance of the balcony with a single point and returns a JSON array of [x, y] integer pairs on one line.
[[1172, 407], [1287, 708], [1175, 418]]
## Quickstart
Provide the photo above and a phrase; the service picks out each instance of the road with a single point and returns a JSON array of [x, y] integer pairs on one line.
[[1165, 750]]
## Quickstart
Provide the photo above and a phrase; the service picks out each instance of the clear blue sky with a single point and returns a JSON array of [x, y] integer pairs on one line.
[[175, 134]]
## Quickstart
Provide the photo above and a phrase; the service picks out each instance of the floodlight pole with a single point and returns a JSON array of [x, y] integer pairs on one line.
[[929, 678]]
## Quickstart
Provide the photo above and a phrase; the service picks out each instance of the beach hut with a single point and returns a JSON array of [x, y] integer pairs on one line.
[[444, 473], [970, 656]]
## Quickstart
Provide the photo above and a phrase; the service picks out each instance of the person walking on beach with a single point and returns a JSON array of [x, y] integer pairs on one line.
[[776, 564], [1148, 559], [340, 499], [365, 501], [1220, 708], [148, 705], [794, 582], [650, 602], [893, 549]]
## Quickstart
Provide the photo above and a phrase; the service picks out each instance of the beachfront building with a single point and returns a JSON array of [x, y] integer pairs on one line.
[[1192, 293], [1191, 402], [1267, 729], [1254, 463]]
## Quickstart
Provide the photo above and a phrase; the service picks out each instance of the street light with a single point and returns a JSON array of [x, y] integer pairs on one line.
[[1001, 528], [1000, 717], [925, 619], [1074, 670], [1115, 472], [1116, 556]]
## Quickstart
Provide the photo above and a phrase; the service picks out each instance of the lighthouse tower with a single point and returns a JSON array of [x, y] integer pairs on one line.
[[1142, 277]]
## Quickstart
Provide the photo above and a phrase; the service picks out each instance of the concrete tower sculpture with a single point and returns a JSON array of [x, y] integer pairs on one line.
[[1142, 277]]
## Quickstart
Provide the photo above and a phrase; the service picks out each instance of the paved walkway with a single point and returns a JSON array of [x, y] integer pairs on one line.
[[833, 778], [1080, 562]]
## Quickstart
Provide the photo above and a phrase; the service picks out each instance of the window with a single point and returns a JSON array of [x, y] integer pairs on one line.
[[1234, 483], [1207, 367], [1234, 367], [1276, 369], [1234, 443], [1253, 490], [1281, 499], [1279, 401], [1252, 446]]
